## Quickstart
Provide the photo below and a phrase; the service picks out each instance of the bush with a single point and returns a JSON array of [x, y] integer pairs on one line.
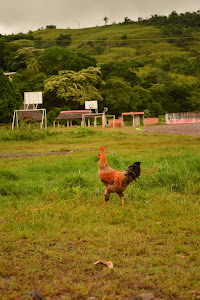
[[26, 133]]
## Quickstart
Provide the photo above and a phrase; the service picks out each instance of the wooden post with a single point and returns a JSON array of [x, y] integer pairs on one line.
[[133, 120], [103, 120], [58, 124], [88, 122], [70, 123]]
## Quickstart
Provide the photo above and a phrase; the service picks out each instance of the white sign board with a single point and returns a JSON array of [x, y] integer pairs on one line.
[[33, 98], [91, 104]]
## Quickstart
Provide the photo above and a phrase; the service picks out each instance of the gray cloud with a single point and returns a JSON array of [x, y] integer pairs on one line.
[[24, 15]]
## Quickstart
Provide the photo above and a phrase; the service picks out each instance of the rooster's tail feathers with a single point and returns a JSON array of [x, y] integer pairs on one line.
[[133, 171]]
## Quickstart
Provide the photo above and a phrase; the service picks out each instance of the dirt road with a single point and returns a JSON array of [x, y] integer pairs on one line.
[[184, 129]]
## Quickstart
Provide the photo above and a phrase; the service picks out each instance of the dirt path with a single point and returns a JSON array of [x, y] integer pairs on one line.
[[34, 154], [184, 129]]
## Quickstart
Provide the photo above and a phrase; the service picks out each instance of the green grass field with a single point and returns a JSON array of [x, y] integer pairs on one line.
[[54, 226]]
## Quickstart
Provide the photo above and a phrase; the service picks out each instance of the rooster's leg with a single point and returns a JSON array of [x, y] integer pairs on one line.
[[121, 195], [107, 196]]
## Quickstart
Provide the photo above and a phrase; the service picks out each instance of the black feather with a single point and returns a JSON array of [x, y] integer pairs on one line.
[[133, 171]]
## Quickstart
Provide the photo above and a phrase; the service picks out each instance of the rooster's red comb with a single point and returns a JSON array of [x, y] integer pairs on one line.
[[102, 148]]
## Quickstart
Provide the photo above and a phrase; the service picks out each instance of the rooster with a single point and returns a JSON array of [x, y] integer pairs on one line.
[[116, 181]]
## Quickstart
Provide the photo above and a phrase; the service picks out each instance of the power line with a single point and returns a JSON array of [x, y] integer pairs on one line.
[[107, 46], [114, 40]]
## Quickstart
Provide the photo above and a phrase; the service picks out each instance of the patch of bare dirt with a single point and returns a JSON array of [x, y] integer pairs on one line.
[[34, 154], [183, 129]]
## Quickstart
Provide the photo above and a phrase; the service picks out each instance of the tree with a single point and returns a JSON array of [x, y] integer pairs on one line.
[[55, 59], [179, 98], [50, 26], [142, 98], [3, 44], [121, 69], [29, 80], [27, 57], [118, 95], [127, 21], [106, 20], [63, 40], [81, 61], [10, 99], [9, 53], [75, 87]]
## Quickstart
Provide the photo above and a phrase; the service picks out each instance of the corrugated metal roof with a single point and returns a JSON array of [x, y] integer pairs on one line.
[[132, 113], [75, 111], [67, 116], [9, 73]]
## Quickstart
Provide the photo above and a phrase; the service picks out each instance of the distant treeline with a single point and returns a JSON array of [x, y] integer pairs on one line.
[[172, 25]]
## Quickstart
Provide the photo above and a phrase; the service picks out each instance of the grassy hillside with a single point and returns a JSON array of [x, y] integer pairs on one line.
[[148, 39], [142, 43]]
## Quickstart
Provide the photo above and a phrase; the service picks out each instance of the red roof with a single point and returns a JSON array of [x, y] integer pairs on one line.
[[75, 112], [132, 113]]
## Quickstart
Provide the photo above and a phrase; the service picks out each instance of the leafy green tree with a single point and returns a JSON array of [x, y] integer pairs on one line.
[[142, 98], [157, 77], [118, 96], [125, 70], [75, 87], [63, 40], [81, 61], [9, 53], [55, 59], [10, 99], [26, 57], [179, 98], [194, 98], [50, 26], [3, 44], [28, 80]]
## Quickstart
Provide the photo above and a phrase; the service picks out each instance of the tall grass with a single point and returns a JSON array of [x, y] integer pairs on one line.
[[26, 133], [54, 226]]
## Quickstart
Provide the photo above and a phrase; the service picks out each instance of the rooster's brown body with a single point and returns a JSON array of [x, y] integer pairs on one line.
[[116, 181]]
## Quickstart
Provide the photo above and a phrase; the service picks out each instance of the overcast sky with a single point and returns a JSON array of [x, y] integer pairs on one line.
[[24, 15]]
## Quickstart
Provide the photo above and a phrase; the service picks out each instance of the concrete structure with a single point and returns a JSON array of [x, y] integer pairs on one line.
[[182, 118], [137, 117], [150, 121], [83, 115], [116, 123], [71, 115]]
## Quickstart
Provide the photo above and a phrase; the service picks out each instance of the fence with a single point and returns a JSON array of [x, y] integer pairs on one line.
[[182, 118]]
